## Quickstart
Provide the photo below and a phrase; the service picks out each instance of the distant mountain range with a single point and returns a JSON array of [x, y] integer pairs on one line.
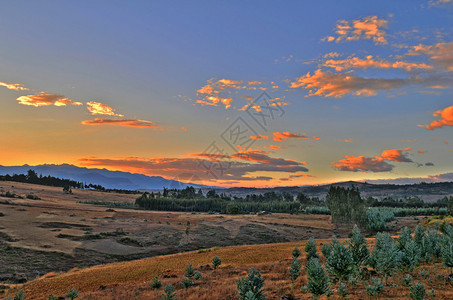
[[104, 177], [429, 189]]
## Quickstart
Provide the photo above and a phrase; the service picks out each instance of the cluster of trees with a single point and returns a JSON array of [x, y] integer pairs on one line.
[[346, 205], [32, 177], [408, 202], [219, 205]]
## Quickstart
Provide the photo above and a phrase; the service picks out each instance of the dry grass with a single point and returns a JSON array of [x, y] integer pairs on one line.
[[131, 280]]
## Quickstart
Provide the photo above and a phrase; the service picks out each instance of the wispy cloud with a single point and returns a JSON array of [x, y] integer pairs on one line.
[[372, 62], [374, 164], [118, 122], [368, 28], [14, 86], [259, 137], [279, 136], [446, 119], [97, 108], [46, 100]]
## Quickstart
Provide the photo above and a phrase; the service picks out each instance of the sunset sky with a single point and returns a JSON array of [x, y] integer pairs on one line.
[[231, 93]]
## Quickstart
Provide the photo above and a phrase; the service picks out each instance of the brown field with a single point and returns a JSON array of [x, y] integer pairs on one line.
[[131, 280], [57, 234]]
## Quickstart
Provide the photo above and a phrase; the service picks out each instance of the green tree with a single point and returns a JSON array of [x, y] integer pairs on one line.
[[340, 263], [189, 272], [20, 295], [294, 270], [447, 253], [385, 256], [326, 250], [216, 262], [295, 253], [418, 291], [318, 281], [357, 245], [72, 294], [169, 292], [252, 285], [311, 249], [156, 283]]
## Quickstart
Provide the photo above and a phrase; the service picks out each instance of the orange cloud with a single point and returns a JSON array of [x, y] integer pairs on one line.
[[441, 54], [372, 164], [290, 177], [46, 100], [279, 136], [14, 86], [396, 155], [368, 28], [370, 62], [328, 84], [446, 119], [421, 151], [97, 108], [274, 147], [350, 140], [215, 101], [259, 137], [363, 164], [127, 123]]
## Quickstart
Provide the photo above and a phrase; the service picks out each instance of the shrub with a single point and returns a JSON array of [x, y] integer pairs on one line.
[[72, 294], [447, 253], [340, 263], [311, 249], [410, 255], [252, 285], [296, 253], [52, 297], [197, 276], [417, 291], [404, 238], [294, 270], [156, 283], [419, 233], [326, 250], [187, 283], [343, 290], [357, 245], [216, 262], [20, 295], [385, 256], [376, 288], [169, 292], [318, 281], [189, 272], [407, 280]]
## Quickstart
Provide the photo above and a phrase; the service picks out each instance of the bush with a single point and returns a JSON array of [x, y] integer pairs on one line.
[[417, 291], [386, 256], [311, 249], [318, 281], [294, 270], [296, 253], [169, 292], [343, 290], [72, 294], [376, 288], [52, 297], [156, 283], [252, 286], [233, 209], [410, 256], [404, 238], [216, 262], [326, 250], [407, 280], [340, 263], [20, 295], [357, 245], [447, 253], [187, 283], [189, 272], [197, 276]]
